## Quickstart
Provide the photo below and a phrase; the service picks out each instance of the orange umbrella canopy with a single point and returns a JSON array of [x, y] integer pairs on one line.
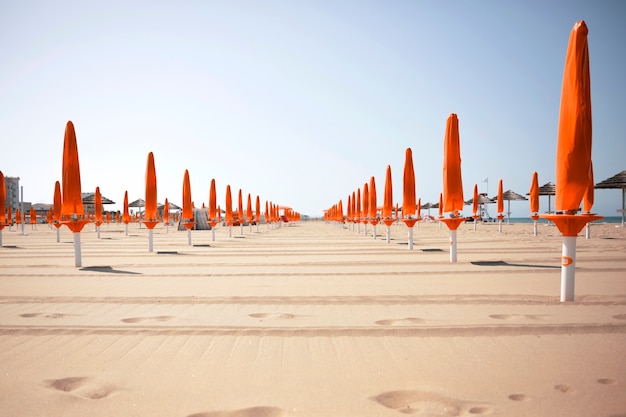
[[452, 182], [258, 209], [408, 196], [151, 189], [3, 199], [500, 197], [388, 197], [166, 211], [98, 204], [187, 207], [240, 205], [228, 215], [475, 201], [440, 204], [125, 214], [534, 194], [357, 211], [72, 201], [212, 201], [249, 214], [573, 154], [57, 201], [372, 197], [365, 201], [33, 215]]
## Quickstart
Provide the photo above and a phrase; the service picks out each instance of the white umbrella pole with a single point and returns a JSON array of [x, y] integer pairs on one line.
[[58, 234], [213, 233], [374, 232], [150, 241], [241, 229], [98, 227], [452, 245], [475, 221], [587, 231], [500, 226], [358, 228], [78, 262], [230, 231], [535, 228], [568, 268], [410, 238], [126, 229], [388, 234], [189, 237], [365, 229]]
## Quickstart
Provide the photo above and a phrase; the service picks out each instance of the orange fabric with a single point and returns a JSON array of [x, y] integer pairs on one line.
[[72, 200], [126, 215], [240, 206], [475, 201], [18, 216], [98, 204], [187, 207], [388, 197], [249, 208], [57, 202], [534, 194], [419, 208], [452, 183], [212, 201], [357, 212], [573, 155], [500, 199], [151, 189], [372, 199], [440, 204], [588, 199], [408, 195], [257, 217], [33, 215], [228, 215], [365, 202], [166, 211], [3, 197]]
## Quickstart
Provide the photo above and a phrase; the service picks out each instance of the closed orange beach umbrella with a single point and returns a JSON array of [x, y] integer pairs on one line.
[[33, 215], [365, 201], [408, 195], [249, 214], [440, 205], [166, 212], [475, 202], [212, 202], [372, 206], [357, 211], [257, 216], [388, 197], [452, 182], [151, 190], [228, 215], [98, 206], [187, 207], [72, 202], [573, 155], [125, 214], [500, 200], [534, 194]]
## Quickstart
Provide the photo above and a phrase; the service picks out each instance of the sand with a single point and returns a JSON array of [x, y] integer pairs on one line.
[[311, 319]]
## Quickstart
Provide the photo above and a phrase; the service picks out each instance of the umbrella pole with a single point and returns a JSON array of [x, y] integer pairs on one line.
[[587, 231], [150, 241], [98, 227], [126, 229], [410, 238], [189, 237], [500, 226], [374, 233], [230, 231], [77, 255], [475, 221], [213, 233], [58, 234], [388, 234], [452, 245], [535, 228], [568, 268]]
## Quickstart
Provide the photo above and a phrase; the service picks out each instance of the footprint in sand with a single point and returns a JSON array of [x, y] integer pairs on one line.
[[519, 397], [620, 317], [140, 319], [404, 321], [245, 412], [80, 386], [47, 315], [518, 316], [565, 389], [429, 404], [607, 381], [274, 316]]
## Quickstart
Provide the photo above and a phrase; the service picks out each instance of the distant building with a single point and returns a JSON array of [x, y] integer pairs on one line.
[[12, 185]]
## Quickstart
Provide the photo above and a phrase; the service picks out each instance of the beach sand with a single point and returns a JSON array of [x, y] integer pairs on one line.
[[311, 319]]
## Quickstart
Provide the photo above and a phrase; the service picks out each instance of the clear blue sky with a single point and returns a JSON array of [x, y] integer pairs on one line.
[[300, 102]]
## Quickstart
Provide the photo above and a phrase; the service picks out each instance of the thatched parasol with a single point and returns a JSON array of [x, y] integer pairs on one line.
[[548, 189], [616, 181], [508, 196]]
